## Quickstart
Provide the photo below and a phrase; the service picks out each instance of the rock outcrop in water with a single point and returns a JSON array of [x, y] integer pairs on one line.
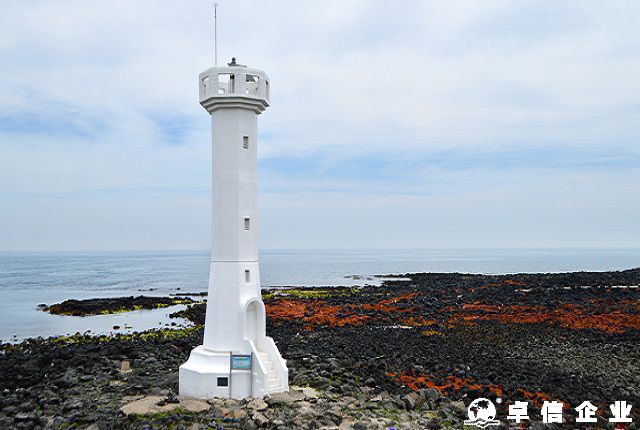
[[113, 305]]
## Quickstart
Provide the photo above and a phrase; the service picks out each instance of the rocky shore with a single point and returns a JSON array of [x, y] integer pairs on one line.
[[112, 305], [410, 354]]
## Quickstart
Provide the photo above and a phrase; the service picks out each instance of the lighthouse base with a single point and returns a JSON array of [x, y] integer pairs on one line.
[[209, 374]]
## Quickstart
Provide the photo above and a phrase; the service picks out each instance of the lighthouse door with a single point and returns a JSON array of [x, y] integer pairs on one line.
[[251, 322]]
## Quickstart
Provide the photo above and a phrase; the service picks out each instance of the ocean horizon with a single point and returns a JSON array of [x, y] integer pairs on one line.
[[30, 278]]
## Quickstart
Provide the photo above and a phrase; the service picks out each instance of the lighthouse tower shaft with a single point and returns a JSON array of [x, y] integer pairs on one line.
[[236, 359], [234, 275]]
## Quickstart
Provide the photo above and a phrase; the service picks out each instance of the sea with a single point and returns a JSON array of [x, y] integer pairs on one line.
[[28, 279]]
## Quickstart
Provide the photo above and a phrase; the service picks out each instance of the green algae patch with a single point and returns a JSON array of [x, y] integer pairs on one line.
[[311, 293], [114, 305], [155, 334], [160, 416]]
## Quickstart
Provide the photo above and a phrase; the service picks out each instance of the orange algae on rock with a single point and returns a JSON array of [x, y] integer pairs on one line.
[[536, 397], [318, 312], [418, 322], [455, 383], [617, 318], [516, 283], [506, 282], [391, 305], [594, 314]]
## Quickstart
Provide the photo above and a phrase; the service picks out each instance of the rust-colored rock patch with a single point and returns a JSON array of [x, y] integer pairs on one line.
[[613, 318], [318, 312]]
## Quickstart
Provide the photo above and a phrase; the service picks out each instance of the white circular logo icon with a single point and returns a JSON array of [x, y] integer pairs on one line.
[[482, 413]]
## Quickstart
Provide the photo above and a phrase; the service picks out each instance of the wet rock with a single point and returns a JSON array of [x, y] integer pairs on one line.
[[257, 405], [409, 401], [239, 414], [10, 410], [430, 394], [25, 416], [458, 406], [286, 397], [26, 407], [260, 420]]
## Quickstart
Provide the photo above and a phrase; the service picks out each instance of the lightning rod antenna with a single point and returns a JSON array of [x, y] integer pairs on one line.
[[215, 32]]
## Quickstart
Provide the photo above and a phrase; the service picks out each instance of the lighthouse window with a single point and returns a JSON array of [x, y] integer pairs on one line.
[[223, 382], [245, 142], [247, 223], [225, 83], [247, 276], [252, 83]]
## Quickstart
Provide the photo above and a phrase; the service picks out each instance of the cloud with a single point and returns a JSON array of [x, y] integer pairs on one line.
[[425, 104]]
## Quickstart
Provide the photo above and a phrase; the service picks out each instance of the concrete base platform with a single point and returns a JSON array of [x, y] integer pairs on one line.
[[205, 375]]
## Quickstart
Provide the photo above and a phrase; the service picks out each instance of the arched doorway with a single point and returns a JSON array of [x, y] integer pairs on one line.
[[254, 322]]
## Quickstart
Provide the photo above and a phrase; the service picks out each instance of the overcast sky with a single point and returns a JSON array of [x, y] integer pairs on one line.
[[393, 124]]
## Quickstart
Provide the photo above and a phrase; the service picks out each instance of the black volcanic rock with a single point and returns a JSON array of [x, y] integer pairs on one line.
[[113, 305], [415, 343]]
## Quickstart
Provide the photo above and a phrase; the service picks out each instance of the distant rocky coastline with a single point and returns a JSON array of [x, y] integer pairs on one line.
[[411, 353]]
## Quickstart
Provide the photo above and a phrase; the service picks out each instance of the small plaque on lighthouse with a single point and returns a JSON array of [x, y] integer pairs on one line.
[[240, 362]]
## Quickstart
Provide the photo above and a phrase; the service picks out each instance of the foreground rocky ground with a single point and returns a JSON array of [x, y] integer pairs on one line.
[[408, 354]]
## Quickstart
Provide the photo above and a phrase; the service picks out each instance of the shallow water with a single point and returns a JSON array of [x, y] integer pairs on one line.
[[27, 279]]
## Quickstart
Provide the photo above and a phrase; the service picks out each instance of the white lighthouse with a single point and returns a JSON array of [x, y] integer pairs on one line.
[[237, 358]]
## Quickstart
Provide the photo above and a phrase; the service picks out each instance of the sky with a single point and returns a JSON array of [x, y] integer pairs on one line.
[[427, 124]]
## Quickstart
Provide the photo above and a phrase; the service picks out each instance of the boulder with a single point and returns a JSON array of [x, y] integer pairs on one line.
[[429, 394], [257, 405], [287, 397], [409, 401], [125, 367], [260, 420]]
